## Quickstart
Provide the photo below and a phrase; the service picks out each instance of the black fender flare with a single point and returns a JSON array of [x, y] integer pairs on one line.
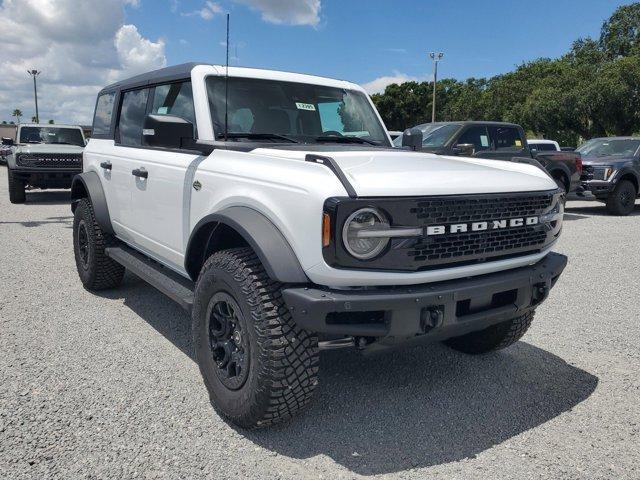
[[266, 240], [88, 184], [627, 171], [560, 168]]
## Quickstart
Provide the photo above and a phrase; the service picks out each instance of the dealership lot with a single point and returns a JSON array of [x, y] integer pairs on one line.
[[104, 386]]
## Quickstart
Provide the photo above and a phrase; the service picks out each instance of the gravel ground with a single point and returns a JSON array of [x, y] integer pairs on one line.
[[105, 386]]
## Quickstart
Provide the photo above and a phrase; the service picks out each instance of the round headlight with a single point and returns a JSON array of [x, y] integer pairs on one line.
[[355, 235]]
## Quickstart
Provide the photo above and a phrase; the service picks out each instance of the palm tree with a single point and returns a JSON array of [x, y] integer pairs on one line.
[[17, 113]]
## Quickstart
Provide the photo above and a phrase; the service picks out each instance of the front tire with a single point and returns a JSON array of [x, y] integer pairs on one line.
[[16, 188], [623, 199], [495, 337], [259, 367], [96, 270]]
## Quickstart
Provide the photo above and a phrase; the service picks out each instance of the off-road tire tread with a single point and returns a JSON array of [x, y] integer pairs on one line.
[[108, 272], [16, 189], [495, 337], [288, 370], [613, 206]]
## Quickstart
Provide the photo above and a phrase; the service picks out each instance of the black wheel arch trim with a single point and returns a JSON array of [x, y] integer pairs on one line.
[[88, 184], [561, 169], [266, 240], [627, 171]]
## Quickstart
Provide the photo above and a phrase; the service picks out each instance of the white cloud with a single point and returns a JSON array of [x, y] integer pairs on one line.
[[287, 12], [379, 84], [78, 46], [210, 10]]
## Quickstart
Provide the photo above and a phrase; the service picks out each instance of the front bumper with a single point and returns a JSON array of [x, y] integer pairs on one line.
[[599, 188], [439, 310]]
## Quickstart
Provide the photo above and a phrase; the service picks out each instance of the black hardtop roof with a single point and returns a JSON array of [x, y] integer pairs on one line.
[[472, 122], [167, 74]]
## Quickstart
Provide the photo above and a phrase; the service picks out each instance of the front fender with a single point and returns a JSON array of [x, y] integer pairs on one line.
[[266, 240], [88, 185]]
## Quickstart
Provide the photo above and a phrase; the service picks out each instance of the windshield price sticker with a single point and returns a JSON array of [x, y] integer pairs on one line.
[[306, 106]]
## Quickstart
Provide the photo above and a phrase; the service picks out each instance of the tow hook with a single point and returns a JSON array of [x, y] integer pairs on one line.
[[540, 292], [431, 318]]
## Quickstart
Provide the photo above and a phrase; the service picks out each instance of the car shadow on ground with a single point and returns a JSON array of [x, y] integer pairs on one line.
[[595, 209], [57, 197], [65, 221], [403, 409]]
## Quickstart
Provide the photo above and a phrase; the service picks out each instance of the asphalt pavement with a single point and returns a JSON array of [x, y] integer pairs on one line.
[[105, 386]]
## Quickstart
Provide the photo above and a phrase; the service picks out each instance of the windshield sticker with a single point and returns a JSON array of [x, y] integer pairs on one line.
[[163, 110], [306, 106], [518, 143], [484, 140]]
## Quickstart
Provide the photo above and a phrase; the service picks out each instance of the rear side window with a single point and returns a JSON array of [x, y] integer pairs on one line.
[[174, 99], [104, 113], [508, 138], [477, 136], [132, 115], [544, 147]]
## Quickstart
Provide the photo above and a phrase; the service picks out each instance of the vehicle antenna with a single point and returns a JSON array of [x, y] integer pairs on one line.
[[226, 87]]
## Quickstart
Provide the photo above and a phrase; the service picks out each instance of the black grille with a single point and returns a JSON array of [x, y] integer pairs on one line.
[[453, 247], [488, 233], [50, 160], [587, 173], [478, 208]]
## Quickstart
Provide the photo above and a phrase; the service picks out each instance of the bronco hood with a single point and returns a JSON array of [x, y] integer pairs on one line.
[[379, 172]]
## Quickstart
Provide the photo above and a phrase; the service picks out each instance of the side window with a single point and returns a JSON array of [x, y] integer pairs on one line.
[[477, 136], [132, 114], [174, 99], [508, 138], [103, 114]]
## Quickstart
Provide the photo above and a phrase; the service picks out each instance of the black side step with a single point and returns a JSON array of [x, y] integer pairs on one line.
[[173, 285]]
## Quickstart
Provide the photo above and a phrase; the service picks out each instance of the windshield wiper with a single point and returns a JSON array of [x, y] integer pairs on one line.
[[338, 139], [258, 136], [64, 143]]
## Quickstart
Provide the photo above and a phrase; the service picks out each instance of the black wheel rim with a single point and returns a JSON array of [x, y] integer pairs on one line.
[[228, 341], [625, 198], [83, 244]]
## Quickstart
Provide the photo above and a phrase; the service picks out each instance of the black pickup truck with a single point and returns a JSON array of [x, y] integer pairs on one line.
[[612, 171], [495, 141]]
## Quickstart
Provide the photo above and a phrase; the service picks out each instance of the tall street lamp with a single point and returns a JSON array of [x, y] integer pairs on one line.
[[34, 73], [436, 57]]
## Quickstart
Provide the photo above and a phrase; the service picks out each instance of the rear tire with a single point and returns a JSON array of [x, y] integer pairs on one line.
[[16, 188], [622, 200], [496, 337], [259, 367], [96, 270]]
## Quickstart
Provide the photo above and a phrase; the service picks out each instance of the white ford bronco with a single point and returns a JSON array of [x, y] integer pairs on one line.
[[273, 207], [44, 156]]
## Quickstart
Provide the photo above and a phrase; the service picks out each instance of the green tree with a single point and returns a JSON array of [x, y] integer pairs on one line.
[[620, 34], [17, 113], [51, 122]]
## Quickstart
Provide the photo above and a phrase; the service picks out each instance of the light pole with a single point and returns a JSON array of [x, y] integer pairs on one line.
[[34, 73], [436, 57]]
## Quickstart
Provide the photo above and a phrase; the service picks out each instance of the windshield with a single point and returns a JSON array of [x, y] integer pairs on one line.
[[62, 136], [434, 135], [293, 112], [626, 147]]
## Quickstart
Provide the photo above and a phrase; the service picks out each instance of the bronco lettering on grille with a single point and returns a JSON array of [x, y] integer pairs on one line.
[[481, 226]]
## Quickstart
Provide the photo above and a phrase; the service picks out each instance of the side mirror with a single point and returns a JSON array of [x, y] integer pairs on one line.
[[7, 141], [465, 149], [167, 131], [412, 138]]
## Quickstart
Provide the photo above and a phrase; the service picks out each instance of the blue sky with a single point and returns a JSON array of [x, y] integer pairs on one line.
[[364, 40], [82, 45]]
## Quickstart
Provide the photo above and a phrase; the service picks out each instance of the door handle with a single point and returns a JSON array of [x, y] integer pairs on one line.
[[140, 172], [106, 165]]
